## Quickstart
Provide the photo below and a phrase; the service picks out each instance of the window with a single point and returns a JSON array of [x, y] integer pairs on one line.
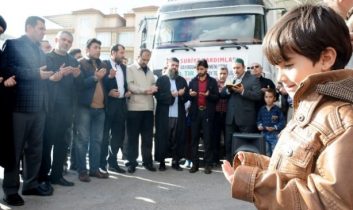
[[105, 38], [127, 39], [210, 30]]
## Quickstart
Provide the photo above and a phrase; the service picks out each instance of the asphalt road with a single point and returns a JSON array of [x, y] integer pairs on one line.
[[142, 190]]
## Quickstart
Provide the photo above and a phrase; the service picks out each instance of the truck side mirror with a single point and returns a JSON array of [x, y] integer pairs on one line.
[[143, 46]]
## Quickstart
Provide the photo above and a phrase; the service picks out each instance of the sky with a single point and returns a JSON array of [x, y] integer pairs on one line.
[[15, 12]]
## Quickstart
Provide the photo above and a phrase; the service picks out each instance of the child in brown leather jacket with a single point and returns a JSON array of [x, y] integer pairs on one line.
[[311, 167]]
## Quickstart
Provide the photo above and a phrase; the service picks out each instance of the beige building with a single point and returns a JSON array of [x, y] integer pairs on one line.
[[108, 28]]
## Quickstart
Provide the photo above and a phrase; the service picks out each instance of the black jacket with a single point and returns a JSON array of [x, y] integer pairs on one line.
[[242, 108], [211, 99], [164, 101], [86, 90], [111, 83], [23, 59]]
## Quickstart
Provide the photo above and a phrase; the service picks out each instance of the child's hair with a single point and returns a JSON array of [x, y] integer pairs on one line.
[[272, 91], [308, 30]]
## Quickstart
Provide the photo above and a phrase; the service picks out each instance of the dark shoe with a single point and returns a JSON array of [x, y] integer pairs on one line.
[[208, 170], [63, 182], [99, 174], [131, 169], [83, 177], [162, 166], [150, 167], [47, 186], [116, 168], [13, 200], [177, 167], [40, 190], [193, 169]]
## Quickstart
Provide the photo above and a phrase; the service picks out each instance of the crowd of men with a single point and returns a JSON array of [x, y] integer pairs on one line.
[[58, 99]]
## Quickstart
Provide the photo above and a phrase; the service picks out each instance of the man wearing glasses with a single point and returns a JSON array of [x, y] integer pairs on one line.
[[257, 70]]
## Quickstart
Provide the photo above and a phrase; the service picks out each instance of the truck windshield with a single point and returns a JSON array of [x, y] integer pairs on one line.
[[210, 30]]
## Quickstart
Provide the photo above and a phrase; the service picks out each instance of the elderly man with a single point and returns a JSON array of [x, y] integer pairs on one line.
[[257, 70]]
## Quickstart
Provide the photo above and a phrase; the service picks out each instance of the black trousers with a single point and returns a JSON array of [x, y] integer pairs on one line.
[[170, 145], [139, 123], [7, 157], [28, 138], [114, 131], [218, 128], [56, 127], [205, 124]]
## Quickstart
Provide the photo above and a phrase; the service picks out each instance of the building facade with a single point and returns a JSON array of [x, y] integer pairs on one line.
[[108, 28]]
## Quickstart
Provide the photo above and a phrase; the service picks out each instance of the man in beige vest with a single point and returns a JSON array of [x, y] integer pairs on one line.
[[141, 84]]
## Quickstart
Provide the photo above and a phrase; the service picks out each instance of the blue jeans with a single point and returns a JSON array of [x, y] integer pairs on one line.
[[271, 139], [90, 125]]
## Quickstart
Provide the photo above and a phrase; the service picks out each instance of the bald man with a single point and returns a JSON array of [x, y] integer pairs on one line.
[[257, 70]]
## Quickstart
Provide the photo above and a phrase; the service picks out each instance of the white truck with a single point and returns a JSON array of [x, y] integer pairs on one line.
[[217, 30]]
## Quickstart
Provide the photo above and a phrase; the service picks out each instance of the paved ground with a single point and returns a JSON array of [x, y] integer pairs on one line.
[[142, 190]]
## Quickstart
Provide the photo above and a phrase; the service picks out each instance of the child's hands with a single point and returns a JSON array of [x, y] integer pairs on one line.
[[270, 129], [228, 171]]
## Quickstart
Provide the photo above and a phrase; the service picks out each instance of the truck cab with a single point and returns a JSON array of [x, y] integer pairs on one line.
[[217, 30]]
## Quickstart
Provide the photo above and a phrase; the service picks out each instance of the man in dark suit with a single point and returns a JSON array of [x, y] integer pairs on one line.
[[116, 110], [170, 115], [204, 95], [6, 100], [242, 98], [26, 61]]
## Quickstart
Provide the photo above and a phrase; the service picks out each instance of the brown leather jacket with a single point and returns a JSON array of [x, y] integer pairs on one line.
[[312, 165]]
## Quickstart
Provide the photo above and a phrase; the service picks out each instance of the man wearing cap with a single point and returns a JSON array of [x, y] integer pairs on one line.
[[242, 98]]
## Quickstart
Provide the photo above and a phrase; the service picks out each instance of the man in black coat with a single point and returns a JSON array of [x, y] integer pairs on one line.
[[204, 95], [116, 110], [6, 100], [243, 96], [26, 61], [170, 115]]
